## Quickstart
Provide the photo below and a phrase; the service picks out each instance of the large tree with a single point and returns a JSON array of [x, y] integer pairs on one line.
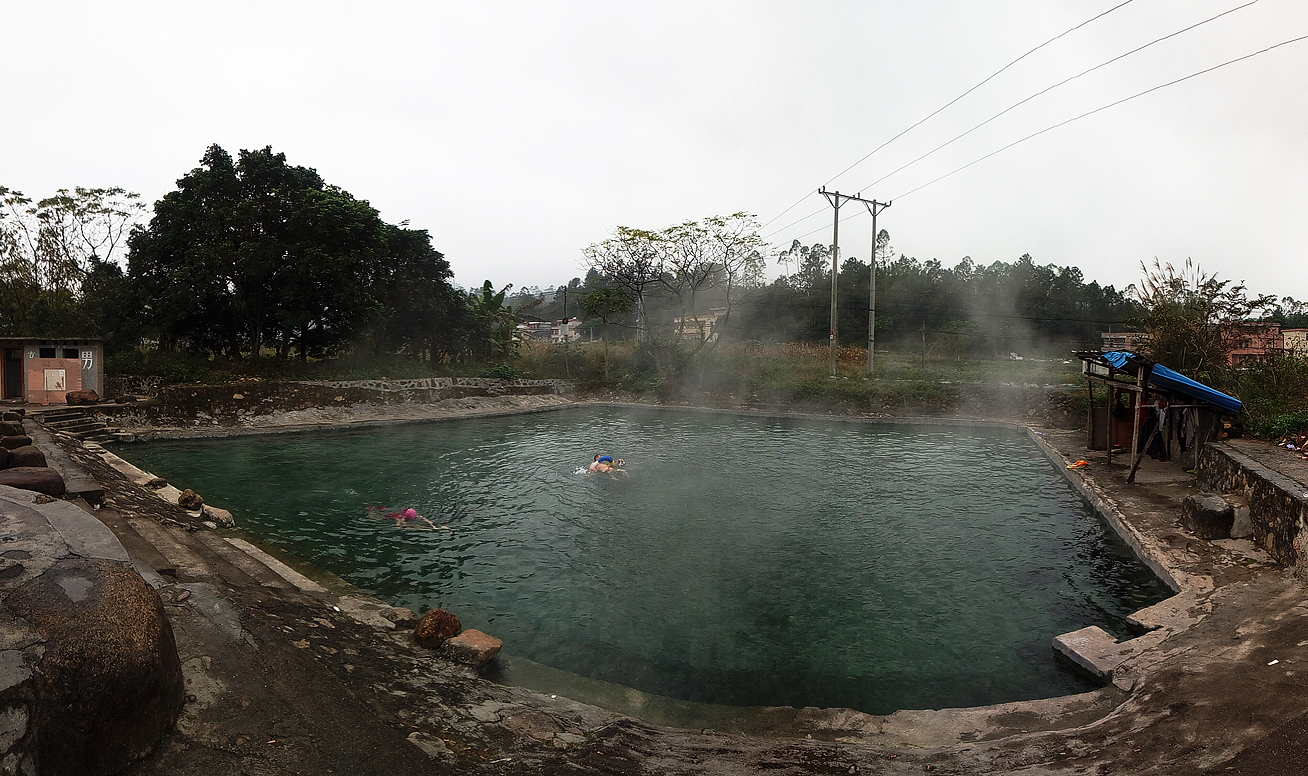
[[1191, 318], [254, 252], [422, 313], [50, 248]]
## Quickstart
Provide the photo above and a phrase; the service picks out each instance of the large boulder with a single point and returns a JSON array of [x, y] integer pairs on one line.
[[436, 627], [28, 455], [110, 682], [15, 442], [34, 478], [1207, 516], [84, 396], [12, 428]]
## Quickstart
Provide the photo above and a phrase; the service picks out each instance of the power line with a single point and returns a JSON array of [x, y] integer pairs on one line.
[[983, 82], [978, 86], [1055, 86], [1076, 118], [1103, 108]]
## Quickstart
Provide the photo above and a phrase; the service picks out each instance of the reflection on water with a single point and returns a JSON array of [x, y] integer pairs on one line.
[[742, 561]]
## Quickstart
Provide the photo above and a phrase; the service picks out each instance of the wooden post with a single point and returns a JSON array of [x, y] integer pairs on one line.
[[1112, 422], [1090, 421], [1142, 378], [1135, 465]]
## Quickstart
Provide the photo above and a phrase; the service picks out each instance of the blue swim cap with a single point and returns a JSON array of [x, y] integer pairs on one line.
[[606, 459]]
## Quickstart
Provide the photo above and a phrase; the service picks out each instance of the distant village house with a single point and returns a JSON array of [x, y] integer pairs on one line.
[[700, 327], [550, 331], [1253, 340], [1120, 340], [1247, 340], [1295, 342]]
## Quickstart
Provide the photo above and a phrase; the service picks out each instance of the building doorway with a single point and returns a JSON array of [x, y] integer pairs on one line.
[[13, 373]]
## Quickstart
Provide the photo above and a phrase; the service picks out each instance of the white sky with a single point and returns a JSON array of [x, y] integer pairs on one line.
[[520, 132]]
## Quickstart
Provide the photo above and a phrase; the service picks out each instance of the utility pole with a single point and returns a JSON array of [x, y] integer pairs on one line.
[[873, 207], [837, 199], [563, 330]]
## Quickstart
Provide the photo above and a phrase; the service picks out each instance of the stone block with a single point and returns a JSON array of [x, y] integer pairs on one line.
[[34, 478], [29, 455], [1242, 524], [1093, 649], [84, 396], [473, 648], [15, 442], [218, 515], [1207, 516]]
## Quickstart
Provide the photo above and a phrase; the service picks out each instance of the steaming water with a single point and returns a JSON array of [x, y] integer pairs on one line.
[[743, 561]]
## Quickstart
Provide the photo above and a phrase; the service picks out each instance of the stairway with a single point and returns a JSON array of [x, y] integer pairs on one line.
[[78, 421], [203, 560]]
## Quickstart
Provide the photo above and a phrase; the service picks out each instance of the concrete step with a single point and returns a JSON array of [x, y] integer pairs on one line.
[[73, 424], [187, 566], [76, 479], [63, 413], [256, 571], [151, 564]]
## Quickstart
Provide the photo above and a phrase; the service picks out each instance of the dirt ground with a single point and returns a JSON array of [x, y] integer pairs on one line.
[[291, 686]]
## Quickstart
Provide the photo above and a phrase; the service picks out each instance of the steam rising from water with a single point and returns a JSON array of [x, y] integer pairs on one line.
[[742, 561]]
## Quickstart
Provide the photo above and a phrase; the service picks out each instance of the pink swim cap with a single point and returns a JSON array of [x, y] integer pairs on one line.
[[410, 513]]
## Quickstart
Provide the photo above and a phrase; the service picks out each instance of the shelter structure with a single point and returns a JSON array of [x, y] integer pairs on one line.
[[1161, 411], [43, 370]]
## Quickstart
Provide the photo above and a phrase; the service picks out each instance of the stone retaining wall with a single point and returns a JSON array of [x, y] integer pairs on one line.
[[132, 385], [435, 389], [1278, 506]]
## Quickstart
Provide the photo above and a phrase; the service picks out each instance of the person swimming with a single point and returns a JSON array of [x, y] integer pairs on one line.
[[606, 464], [403, 516]]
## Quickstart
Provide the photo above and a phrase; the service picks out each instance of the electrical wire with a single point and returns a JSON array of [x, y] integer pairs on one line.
[[1055, 86], [931, 115], [978, 86], [1066, 122], [1103, 108]]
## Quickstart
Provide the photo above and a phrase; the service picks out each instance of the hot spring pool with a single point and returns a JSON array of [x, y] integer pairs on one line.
[[743, 560]]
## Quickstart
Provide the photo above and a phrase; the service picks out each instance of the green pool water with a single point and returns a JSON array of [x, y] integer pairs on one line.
[[742, 560]]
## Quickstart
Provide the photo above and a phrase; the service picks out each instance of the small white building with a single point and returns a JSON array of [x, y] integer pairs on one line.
[[1296, 342], [703, 326], [553, 331]]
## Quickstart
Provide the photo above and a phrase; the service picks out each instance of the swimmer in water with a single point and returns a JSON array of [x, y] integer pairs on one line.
[[403, 517], [606, 464]]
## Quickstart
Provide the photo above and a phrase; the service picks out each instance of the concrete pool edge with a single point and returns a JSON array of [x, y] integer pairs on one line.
[[1094, 650], [912, 726]]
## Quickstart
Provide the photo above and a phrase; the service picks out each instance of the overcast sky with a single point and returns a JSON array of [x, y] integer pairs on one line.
[[517, 133]]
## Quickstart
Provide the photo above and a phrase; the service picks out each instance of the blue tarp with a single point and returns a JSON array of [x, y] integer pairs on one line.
[[1169, 380]]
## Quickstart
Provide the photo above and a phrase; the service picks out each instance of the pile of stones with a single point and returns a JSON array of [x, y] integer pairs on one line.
[[22, 464]]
